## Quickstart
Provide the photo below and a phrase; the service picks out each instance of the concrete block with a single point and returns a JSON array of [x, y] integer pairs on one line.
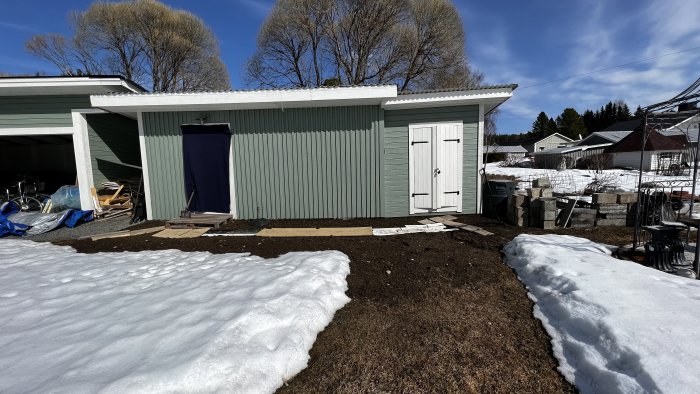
[[547, 192], [534, 192], [626, 198], [613, 216], [604, 198], [549, 204], [517, 200], [610, 208], [582, 223], [548, 215], [548, 225], [543, 182], [610, 222]]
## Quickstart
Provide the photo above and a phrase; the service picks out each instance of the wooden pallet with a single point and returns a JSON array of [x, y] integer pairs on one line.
[[212, 220]]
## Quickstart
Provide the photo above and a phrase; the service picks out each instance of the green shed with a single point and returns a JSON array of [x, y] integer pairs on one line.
[[332, 152]]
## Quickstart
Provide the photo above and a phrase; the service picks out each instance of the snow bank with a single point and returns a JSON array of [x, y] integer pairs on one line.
[[575, 181], [616, 326], [165, 321]]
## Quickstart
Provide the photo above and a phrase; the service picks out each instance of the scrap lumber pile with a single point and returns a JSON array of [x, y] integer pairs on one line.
[[113, 200]]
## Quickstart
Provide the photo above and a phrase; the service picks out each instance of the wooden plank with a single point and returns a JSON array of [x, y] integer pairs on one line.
[[565, 214], [426, 221], [147, 230], [181, 233], [194, 233], [115, 195], [316, 232], [116, 234]]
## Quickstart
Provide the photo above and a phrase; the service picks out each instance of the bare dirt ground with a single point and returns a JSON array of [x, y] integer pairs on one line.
[[429, 312]]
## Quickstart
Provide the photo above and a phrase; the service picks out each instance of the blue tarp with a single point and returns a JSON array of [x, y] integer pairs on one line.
[[14, 222], [6, 226]]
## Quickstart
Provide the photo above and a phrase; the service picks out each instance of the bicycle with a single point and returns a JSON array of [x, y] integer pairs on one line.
[[25, 198]]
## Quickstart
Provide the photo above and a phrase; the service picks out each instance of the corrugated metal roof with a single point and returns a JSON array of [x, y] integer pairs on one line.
[[568, 149], [445, 90], [283, 89], [507, 149]]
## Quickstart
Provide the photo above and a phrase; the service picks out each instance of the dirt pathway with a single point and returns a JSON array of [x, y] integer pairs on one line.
[[429, 312]]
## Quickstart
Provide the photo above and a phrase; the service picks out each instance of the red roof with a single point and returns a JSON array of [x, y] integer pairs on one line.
[[655, 142]]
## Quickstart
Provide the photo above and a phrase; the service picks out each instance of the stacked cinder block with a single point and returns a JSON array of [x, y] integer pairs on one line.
[[629, 200], [541, 190], [548, 212], [612, 209], [518, 210], [583, 217]]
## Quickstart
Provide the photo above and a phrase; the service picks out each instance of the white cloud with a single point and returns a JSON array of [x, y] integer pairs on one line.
[[17, 26], [260, 7]]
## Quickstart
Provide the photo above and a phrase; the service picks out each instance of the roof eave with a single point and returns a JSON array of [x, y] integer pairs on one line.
[[491, 97], [258, 99]]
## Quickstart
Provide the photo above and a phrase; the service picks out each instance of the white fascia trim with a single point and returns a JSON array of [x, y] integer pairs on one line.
[[464, 97], [65, 82], [480, 160], [21, 131], [144, 167], [83, 163], [245, 99]]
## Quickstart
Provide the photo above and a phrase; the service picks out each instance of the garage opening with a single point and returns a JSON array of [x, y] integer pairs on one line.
[[48, 160]]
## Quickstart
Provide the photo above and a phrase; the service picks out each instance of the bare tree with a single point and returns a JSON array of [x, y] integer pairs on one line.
[[416, 44], [143, 40]]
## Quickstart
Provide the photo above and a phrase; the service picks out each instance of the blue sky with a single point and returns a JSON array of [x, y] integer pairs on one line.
[[511, 41]]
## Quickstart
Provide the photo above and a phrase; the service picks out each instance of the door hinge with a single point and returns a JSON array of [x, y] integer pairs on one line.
[[419, 194], [457, 192], [419, 142], [455, 140]]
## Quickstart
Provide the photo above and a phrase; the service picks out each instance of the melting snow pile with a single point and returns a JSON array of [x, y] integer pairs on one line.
[[575, 181], [165, 321], [616, 326]]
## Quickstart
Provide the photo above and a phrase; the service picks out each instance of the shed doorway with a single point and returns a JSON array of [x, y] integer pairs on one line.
[[435, 167], [206, 152]]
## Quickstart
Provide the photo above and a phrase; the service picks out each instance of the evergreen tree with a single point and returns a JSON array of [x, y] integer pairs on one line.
[[571, 124], [540, 125], [639, 113], [552, 127]]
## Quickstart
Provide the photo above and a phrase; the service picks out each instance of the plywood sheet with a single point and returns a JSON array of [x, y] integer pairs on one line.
[[316, 232], [181, 233]]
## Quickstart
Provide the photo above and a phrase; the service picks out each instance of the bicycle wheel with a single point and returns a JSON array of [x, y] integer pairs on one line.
[[28, 204]]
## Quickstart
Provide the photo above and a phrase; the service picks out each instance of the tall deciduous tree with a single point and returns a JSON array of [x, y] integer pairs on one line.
[[416, 44], [144, 40]]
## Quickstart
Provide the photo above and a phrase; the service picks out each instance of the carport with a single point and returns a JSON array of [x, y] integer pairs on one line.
[[49, 131]]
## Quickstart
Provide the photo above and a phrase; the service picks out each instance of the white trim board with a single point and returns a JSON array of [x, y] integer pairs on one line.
[[83, 162], [439, 99], [144, 167], [480, 160], [385, 95], [255, 99], [22, 131], [32, 86]]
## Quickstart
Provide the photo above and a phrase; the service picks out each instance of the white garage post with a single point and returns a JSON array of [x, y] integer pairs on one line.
[[480, 159], [144, 167], [83, 164]]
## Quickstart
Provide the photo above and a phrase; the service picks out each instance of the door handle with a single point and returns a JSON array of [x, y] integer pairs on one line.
[[437, 171]]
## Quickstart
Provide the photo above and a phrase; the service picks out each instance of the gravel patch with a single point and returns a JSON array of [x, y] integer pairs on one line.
[[90, 228]]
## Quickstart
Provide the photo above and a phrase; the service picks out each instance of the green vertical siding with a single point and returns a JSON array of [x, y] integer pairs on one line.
[[114, 147], [396, 198], [292, 163], [40, 111]]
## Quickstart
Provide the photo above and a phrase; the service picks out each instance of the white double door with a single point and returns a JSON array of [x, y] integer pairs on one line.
[[435, 167]]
